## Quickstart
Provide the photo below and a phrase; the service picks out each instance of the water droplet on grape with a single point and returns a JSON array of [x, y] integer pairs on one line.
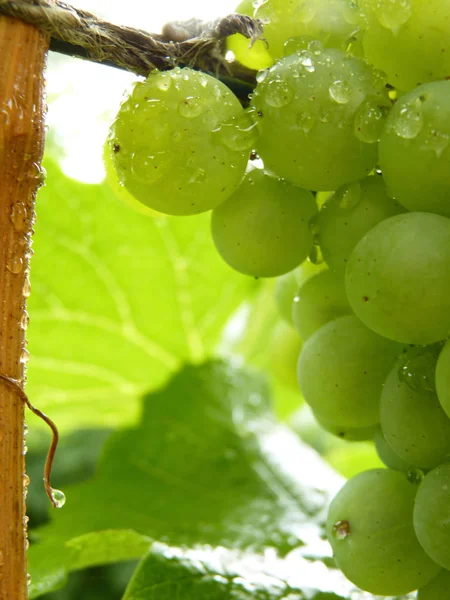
[[307, 62], [278, 93], [163, 82], [199, 176], [239, 134], [261, 75], [341, 530], [58, 498], [393, 13], [340, 91], [409, 121], [417, 369], [191, 107], [414, 476], [369, 121], [305, 121], [350, 196], [437, 141]]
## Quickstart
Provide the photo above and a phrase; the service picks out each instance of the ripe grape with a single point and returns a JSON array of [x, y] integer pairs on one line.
[[370, 529], [285, 291], [350, 434], [387, 454], [408, 39], [341, 371], [329, 21], [442, 378], [412, 420], [320, 299], [415, 151], [320, 116], [180, 142], [350, 213], [432, 515], [397, 278], [437, 589], [263, 228]]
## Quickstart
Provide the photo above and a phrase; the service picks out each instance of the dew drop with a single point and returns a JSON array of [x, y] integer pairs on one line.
[[305, 121], [417, 369], [307, 62], [369, 121], [18, 216], [26, 286], [240, 134], [340, 91], [350, 196], [28, 580], [163, 82], [191, 107], [14, 264], [414, 476], [278, 93], [393, 13], [24, 356], [409, 121], [26, 480], [341, 530], [261, 75], [438, 142], [199, 176], [58, 498], [25, 319], [295, 44]]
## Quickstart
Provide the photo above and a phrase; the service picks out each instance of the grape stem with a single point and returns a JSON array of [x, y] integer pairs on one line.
[[192, 43]]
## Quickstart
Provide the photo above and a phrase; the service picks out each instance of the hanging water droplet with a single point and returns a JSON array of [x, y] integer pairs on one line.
[[305, 121], [24, 356], [261, 75], [341, 530], [369, 121], [39, 173], [14, 264], [28, 580], [340, 91], [393, 13], [18, 216], [26, 286], [414, 476], [278, 93], [26, 480], [350, 196], [408, 122], [58, 498], [25, 319], [191, 107], [417, 368]]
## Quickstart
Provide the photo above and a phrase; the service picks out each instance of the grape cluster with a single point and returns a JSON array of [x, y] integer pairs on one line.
[[352, 104]]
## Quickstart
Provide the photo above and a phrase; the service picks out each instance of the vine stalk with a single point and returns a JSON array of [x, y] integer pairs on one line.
[[23, 50]]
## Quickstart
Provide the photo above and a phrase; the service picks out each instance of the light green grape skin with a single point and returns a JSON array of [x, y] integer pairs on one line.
[[408, 39], [397, 278], [349, 434], [414, 149], [437, 589], [351, 459], [432, 515], [180, 142], [329, 21], [341, 371], [320, 114], [285, 291], [263, 228], [285, 347], [370, 529], [319, 300], [387, 454], [349, 214], [413, 422], [443, 378]]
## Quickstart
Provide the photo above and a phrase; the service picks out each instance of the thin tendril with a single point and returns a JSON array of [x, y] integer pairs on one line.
[[55, 436]]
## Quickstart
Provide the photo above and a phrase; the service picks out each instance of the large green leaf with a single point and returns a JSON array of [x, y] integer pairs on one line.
[[207, 468], [119, 300]]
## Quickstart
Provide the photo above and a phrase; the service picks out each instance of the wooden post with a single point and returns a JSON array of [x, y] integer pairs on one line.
[[22, 60]]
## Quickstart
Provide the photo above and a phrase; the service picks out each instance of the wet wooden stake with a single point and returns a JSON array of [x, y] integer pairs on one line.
[[23, 51]]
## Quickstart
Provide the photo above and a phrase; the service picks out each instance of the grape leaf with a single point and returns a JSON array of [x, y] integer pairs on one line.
[[207, 468], [119, 300]]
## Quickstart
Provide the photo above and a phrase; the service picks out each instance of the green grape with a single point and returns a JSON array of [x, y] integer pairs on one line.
[[341, 371], [432, 515], [370, 529], [285, 291], [263, 228], [414, 149], [350, 434], [180, 142], [387, 454], [408, 39], [350, 213], [442, 379], [412, 420], [320, 299], [397, 278], [329, 21], [437, 589], [320, 115], [284, 349]]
